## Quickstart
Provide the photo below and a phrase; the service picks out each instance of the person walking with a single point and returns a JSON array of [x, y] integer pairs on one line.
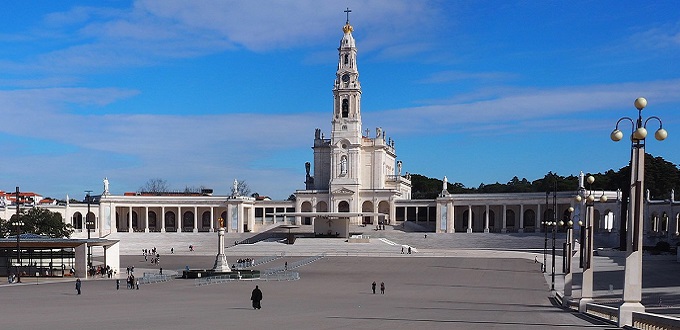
[[382, 287], [117, 284], [256, 297], [78, 285], [373, 287]]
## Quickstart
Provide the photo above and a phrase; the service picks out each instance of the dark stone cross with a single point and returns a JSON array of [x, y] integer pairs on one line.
[[348, 11]]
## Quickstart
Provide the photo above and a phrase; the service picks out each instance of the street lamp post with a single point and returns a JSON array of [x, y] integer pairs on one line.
[[545, 231], [632, 288], [567, 252], [554, 230], [88, 223], [551, 224], [587, 243], [18, 223]]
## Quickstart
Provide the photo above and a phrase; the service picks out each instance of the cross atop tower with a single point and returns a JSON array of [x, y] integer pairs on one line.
[[348, 11]]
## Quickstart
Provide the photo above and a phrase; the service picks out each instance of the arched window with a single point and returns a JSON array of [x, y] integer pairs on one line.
[[343, 206], [346, 59], [510, 218], [345, 108]]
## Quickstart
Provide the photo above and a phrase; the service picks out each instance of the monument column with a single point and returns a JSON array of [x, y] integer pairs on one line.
[[521, 218], [486, 219], [504, 228], [221, 264]]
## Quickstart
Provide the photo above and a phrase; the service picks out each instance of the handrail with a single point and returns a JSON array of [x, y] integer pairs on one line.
[[603, 312], [654, 321], [293, 265]]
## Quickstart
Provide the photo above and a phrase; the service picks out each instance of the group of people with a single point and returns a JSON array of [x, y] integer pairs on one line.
[[382, 287], [101, 271], [408, 251], [245, 261], [155, 256]]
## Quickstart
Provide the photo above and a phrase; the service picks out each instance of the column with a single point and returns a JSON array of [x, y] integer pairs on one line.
[[162, 219], [195, 219], [469, 228], [538, 217], [180, 225], [212, 219], [632, 289], [451, 218], [587, 282], [568, 278], [486, 219], [146, 219], [521, 218], [504, 228], [129, 221]]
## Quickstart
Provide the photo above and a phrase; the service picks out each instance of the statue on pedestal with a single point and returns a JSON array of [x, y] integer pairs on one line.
[[106, 186]]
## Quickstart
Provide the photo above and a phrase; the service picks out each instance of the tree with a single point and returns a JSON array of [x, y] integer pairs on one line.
[[38, 221], [242, 189], [156, 185], [291, 198]]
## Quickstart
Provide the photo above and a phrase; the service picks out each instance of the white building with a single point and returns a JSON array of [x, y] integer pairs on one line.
[[355, 179]]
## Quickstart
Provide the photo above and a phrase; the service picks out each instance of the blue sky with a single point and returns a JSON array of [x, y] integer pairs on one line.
[[200, 93]]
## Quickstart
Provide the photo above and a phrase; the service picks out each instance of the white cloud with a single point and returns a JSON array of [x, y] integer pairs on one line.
[[518, 104]]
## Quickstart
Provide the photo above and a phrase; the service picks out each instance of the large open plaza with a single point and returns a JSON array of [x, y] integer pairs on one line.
[[334, 292], [480, 282]]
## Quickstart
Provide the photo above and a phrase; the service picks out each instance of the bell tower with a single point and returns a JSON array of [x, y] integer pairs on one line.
[[346, 138]]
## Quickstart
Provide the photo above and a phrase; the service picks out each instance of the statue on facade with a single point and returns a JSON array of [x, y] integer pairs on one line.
[[399, 167], [343, 166], [106, 186], [234, 188], [445, 183]]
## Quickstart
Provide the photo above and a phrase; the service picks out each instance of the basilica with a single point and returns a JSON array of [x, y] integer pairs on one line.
[[354, 179]]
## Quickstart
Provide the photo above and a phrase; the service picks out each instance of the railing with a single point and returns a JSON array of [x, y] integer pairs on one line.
[[300, 263], [154, 278], [237, 276], [603, 312], [281, 276], [650, 321], [257, 262]]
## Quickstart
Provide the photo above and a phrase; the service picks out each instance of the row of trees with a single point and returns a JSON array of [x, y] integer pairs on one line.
[[37, 221], [661, 177], [160, 186]]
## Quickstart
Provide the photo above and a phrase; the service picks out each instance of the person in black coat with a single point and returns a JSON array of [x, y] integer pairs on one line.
[[256, 296], [78, 285]]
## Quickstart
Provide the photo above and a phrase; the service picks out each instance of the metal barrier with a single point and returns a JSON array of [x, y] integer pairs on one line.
[[282, 276], [257, 262], [154, 278], [299, 263]]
